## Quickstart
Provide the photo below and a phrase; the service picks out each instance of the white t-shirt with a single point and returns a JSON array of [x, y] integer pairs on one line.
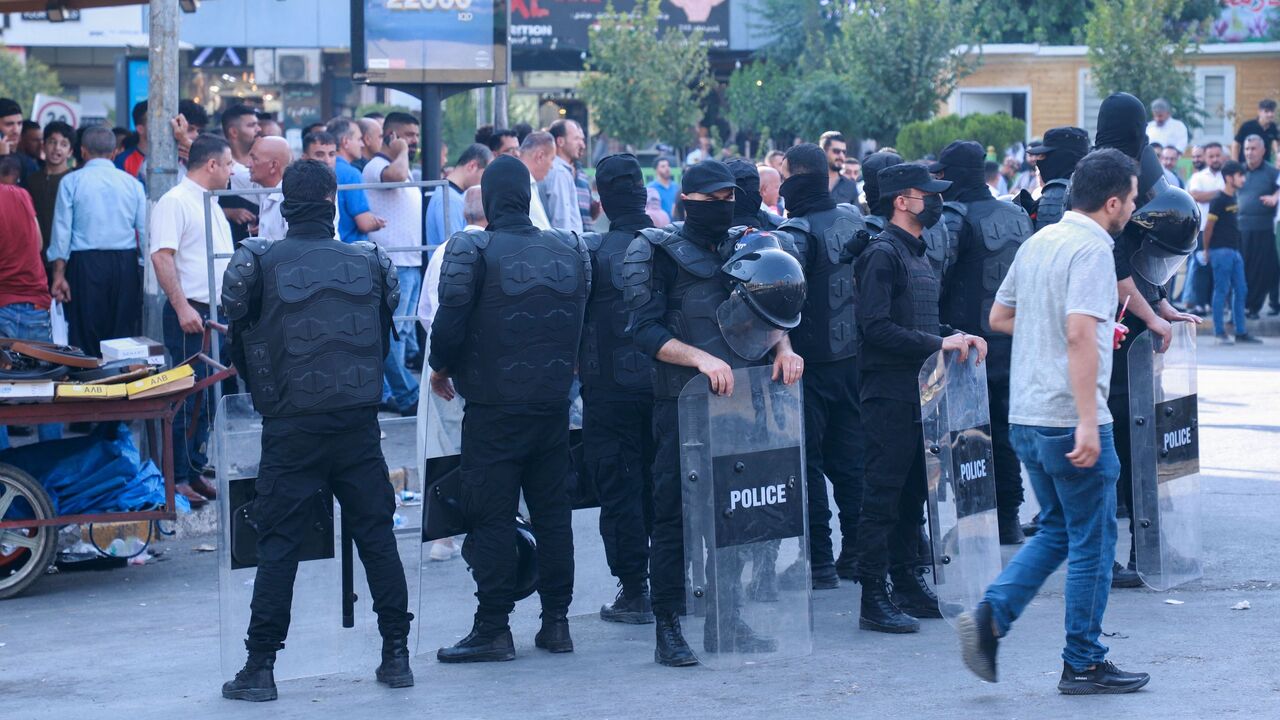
[[1204, 181], [537, 213], [1172, 134], [177, 223], [1064, 269], [271, 223], [402, 209]]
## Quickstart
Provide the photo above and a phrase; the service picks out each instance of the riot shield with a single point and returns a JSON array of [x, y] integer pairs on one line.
[[333, 627], [743, 487], [960, 468], [1165, 458]]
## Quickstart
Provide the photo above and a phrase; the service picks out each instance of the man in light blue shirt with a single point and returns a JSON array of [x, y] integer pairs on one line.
[[99, 222]]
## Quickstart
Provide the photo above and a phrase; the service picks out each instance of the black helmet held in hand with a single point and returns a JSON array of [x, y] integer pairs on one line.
[[1168, 226], [768, 293]]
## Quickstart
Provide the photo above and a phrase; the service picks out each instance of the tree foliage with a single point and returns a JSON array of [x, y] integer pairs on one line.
[[641, 84], [1062, 22], [928, 137], [21, 81], [1131, 49]]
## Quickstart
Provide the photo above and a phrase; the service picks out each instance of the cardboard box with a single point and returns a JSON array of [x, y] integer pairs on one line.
[[134, 348], [40, 390], [77, 391]]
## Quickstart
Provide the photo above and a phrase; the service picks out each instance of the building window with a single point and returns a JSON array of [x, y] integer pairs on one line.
[[1089, 104], [1216, 93]]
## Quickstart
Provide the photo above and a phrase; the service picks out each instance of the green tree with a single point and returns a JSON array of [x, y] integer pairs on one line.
[[797, 28], [1132, 50], [21, 81], [900, 59], [644, 85], [1062, 22], [759, 98]]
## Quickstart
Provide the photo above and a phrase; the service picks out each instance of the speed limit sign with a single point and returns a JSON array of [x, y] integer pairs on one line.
[[48, 108]]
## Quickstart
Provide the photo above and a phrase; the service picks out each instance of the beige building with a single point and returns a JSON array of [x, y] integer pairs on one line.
[[1048, 86]]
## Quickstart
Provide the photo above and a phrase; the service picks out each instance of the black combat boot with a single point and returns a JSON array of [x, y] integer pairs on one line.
[[738, 637], [672, 650], [256, 681], [912, 594], [487, 642], [1010, 531], [819, 577], [554, 635], [878, 612], [394, 670], [632, 606]]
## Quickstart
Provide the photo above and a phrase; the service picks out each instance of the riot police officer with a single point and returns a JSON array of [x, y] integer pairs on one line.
[[827, 339], [937, 241], [986, 233], [1122, 125], [310, 323], [506, 334], [674, 287], [617, 396], [897, 308], [1059, 152], [747, 208]]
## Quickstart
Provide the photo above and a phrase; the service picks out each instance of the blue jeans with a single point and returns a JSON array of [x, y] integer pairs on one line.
[[1077, 524], [399, 386], [24, 321], [1228, 277], [1189, 297]]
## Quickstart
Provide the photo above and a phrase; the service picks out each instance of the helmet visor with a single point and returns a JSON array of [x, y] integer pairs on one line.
[[748, 335], [1155, 265]]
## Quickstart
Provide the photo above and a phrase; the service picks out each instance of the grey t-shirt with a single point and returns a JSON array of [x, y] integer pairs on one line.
[[1257, 183], [1064, 269]]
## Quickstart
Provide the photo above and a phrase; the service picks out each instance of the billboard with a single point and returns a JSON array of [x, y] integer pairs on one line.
[[430, 41], [563, 24]]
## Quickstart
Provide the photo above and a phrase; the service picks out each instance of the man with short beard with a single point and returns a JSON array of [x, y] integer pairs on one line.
[[843, 190]]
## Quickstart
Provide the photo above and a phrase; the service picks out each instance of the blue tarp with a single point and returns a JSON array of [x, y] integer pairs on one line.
[[97, 473]]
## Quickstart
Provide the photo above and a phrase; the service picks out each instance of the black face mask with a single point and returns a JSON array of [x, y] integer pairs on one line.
[[708, 219], [308, 218], [932, 211]]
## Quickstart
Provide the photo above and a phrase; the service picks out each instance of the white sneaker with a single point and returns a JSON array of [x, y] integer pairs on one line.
[[442, 550]]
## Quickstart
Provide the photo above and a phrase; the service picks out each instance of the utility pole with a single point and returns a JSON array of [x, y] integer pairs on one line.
[[162, 149]]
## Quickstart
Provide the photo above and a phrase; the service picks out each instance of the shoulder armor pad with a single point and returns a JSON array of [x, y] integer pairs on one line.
[[241, 279], [940, 245], [657, 236], [953, 215], [696, 260], [637, 269], [1063, 183], [850, 207], [580, 244], [457, 272], [1007, 224], [593, 240], [875, 224], [795, 223]]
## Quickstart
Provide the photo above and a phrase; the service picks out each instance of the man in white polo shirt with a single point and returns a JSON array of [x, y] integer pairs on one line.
[[180, 257]]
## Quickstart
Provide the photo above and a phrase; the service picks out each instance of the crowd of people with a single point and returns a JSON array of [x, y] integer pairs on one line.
[[539, 276]]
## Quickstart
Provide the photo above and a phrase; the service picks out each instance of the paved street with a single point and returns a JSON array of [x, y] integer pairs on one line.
[[142, 642]]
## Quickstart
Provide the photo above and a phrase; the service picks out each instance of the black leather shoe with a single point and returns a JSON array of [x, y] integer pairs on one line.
[[1011, 534], [979, 642], [1124, 577], [1031, 528], [743, 639], [256, 681], [394, 670], [485, 643], [799, 572], [1100, 679], [879, 614], [912, 594], [671, 650], [825, 578], [554, 635], [632, 608]]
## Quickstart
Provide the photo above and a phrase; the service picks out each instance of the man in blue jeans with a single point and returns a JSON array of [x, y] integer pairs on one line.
[[1222, 253], [1062, 290]]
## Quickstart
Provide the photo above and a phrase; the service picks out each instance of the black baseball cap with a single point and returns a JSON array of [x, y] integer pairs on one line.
[[1073, 139], [960, 154], [707, 177], [904, 176]]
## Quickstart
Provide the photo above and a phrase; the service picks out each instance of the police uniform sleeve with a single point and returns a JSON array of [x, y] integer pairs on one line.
[[241, 293], [878, 272], [461, 276], [644, 282]]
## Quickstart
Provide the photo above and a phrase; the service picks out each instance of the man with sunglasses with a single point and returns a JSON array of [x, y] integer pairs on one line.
[[843, 190], [897, 311]]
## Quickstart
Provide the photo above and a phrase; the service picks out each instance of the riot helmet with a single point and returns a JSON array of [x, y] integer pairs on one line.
[[768, 293], [1167, 228], [526, 551]]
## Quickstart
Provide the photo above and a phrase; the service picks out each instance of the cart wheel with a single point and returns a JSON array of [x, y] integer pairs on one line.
[[24, 552]]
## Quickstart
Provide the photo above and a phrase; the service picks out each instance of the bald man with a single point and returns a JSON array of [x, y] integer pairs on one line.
[[770, 183], [268, 158]]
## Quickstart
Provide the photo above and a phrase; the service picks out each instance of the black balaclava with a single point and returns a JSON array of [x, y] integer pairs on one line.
[[871, 168], [1057, 164], [622, 192], [964, 164], [808, 189], [746, 196], [504, 192], [1122, 124], [308, 218]]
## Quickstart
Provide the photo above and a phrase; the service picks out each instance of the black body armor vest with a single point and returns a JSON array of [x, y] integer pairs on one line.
[[609, 363]]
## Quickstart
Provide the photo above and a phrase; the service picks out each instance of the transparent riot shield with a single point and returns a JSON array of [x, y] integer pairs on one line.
[[742, 477], [1165, 458], [960, 468], [332, 627]]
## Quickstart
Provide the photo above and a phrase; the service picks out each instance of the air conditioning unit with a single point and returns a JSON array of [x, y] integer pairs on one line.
[[300, 67]]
